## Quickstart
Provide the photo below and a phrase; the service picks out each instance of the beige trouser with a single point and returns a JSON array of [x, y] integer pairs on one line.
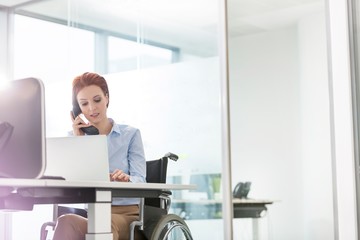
[[74, 227]]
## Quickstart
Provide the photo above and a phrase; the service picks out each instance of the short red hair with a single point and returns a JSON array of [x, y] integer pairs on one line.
[[88, 79]]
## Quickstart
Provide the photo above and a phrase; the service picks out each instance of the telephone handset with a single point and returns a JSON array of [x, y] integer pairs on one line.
[[241, 190], [90, 130]]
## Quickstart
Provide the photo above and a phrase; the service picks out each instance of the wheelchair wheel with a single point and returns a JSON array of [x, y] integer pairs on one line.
[[171, 226]]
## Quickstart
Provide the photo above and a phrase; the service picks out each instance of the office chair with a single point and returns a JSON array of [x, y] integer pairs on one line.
[[154, 221]]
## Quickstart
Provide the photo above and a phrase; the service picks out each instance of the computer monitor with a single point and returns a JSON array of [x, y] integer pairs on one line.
[[22, 129]]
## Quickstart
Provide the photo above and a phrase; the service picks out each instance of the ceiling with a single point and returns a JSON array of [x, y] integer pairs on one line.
[[191, 25]]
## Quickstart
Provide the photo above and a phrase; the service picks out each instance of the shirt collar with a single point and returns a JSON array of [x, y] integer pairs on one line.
[[115, 127]]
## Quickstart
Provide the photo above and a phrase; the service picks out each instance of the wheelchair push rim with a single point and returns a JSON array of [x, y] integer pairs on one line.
[[166, 226]]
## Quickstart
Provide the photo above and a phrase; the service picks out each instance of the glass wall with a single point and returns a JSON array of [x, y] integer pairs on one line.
[[163, 72], [280, 126], [161, 60], [354, 18]]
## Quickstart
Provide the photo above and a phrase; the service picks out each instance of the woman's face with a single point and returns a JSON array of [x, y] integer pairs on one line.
[[92, 102]]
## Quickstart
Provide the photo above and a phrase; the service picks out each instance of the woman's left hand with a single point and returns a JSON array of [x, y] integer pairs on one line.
[[119, 176]]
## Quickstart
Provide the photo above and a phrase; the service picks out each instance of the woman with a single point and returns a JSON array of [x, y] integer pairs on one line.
[[126, 157]]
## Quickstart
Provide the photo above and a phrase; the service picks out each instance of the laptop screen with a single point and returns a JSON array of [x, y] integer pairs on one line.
[[22, 129]]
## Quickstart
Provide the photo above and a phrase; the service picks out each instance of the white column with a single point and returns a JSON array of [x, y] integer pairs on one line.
[[227, 207], [341, 122], [6, 44]]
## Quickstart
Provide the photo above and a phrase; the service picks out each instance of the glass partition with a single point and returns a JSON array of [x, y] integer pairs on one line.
[[161, 61], [280, 126]]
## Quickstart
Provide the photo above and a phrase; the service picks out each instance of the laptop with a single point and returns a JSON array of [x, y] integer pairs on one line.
[[77, 158], [22, 129]]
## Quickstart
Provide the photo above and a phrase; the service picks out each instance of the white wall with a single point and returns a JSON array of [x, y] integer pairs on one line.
[[315, 129], [177, 109], [280, 126], [264, 100]]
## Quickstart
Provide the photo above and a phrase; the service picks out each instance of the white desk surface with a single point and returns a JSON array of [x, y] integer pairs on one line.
[[18, 183], [219, 201], [252, 201]]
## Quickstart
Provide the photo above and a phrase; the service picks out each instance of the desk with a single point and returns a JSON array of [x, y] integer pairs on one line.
[[212, 209], [22, 194], [243, 208], [251, 208]]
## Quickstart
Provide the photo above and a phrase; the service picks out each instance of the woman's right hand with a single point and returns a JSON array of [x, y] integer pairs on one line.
[[119, 176], [77, 124]]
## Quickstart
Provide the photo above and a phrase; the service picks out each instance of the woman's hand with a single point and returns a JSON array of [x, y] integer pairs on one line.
[[119, 176], [77, 124]]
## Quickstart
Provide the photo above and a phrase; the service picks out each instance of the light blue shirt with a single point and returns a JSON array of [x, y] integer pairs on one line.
[[126, 152]]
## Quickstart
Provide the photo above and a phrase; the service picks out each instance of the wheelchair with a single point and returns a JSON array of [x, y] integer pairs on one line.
[[155, 222]]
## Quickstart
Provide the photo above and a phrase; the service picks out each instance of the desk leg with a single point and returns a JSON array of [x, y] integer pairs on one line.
[[259, 228], [255, 228], [99, 217]]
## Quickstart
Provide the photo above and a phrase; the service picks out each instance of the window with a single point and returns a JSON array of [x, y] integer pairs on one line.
[[127, 55]]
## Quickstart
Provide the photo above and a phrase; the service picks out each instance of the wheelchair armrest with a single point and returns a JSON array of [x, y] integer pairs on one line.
[[166, 193], [43, 231]]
